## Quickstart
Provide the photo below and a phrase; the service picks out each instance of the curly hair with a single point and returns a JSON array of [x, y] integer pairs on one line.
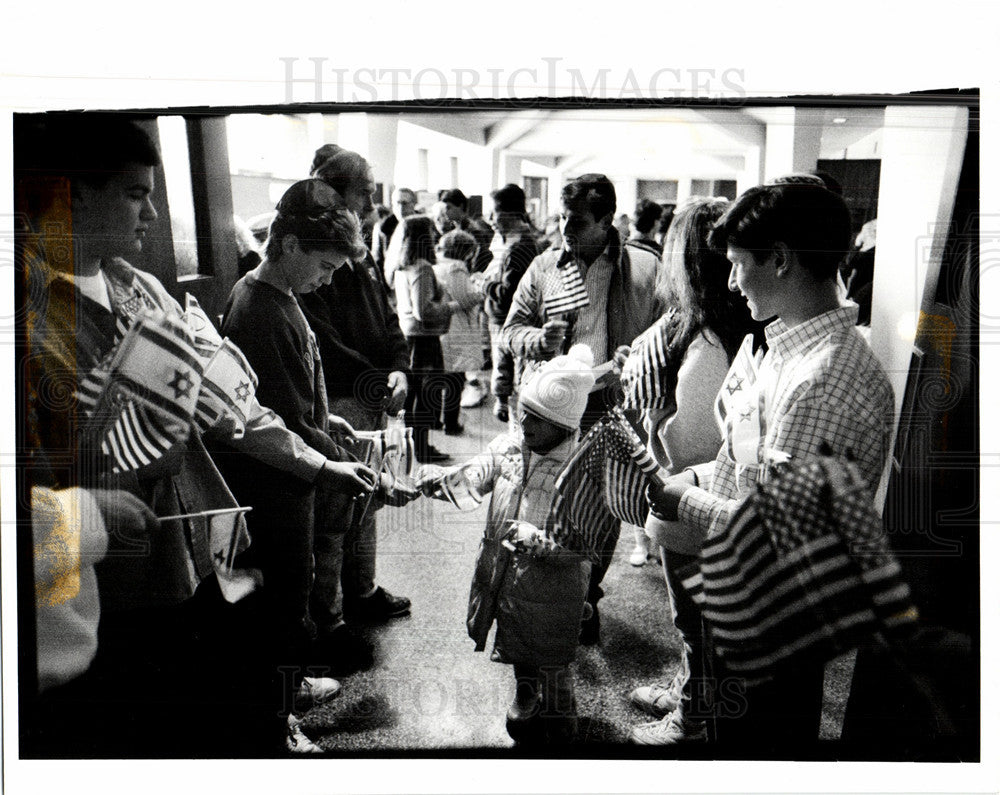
[[698, 286]]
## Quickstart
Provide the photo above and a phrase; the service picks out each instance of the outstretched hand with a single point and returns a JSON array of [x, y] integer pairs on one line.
[[429, 478], [350, 477], [397, 492]]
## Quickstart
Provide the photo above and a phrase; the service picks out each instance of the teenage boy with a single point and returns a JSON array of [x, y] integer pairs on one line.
[[818, 385]]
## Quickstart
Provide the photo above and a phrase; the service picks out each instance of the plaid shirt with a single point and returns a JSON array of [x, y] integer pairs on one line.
[[822, 384]]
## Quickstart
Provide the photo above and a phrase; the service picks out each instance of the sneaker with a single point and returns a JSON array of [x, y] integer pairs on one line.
[[639, 555], [344, 651], [473, 394], [377, 608], [296, 741], [659, 700], [670, 730], [315, 690], [501, 410]]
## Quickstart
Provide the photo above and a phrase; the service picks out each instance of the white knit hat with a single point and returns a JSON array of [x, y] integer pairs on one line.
[[559, 389]]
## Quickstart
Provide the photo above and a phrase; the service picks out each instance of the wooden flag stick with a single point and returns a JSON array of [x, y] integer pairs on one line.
[[215, 512]]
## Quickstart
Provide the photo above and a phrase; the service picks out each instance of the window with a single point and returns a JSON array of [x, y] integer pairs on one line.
[[177, 175], [661, 191]]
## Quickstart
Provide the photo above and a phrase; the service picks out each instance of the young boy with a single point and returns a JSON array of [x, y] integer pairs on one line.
[[819, 385], [537, 592]]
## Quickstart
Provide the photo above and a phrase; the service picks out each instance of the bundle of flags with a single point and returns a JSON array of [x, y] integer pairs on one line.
[[141, 398], [802, 572], [603, 483], [165, 373]]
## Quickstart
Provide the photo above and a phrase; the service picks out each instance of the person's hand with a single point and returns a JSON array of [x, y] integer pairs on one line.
[[525, 537], [342, 428], [398, 387], [126, 517], [429, 478], [350, 477], [553, 335], [396, 492], [664, 501]]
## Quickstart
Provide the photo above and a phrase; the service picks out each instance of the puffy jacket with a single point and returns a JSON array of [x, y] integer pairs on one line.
[[537, 602]]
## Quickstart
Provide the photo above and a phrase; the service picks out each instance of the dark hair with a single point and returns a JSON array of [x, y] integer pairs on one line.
[[339, 168], [509, 199], [313, 212], [454, 197], [594, 190], [647, 213], [698, 275], [417, 240], [457, 244], [86, 147], [810, 220]]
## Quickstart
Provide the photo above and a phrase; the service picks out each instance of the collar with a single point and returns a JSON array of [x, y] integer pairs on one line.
[[785, 341]]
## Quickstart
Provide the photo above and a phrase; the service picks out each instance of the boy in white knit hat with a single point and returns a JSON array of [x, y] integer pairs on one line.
[[534, 588]]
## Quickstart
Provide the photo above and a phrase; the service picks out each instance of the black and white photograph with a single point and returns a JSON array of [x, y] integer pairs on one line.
[[535, 424]]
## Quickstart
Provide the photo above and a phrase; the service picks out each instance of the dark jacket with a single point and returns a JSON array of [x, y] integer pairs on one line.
[[358, 333]]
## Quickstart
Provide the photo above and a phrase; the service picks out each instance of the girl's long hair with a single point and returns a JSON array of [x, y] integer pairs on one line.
[[697, 285], [417, 240]]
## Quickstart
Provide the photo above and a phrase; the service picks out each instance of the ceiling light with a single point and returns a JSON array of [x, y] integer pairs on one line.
[[840, 120]]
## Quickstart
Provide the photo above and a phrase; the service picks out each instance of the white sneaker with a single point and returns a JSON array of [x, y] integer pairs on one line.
[[473, 394], [639, 555], [660, 700], [670, 730], [315, 690], [296, 742]]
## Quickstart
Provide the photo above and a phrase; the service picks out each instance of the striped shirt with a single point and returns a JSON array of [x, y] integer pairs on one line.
[[822, 383]]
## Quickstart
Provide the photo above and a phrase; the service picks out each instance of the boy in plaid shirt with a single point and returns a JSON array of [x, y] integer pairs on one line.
[[819, 384]]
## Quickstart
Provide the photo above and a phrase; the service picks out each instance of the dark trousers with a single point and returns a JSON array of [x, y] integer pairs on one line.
[[776, 720], [451, 398], [423, 400]]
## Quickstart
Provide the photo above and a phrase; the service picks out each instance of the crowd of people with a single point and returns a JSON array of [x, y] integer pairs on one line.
[[355, 314]]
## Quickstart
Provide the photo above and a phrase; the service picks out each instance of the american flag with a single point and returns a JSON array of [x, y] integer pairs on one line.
[[641, 380], [571, 293], [802, 571], [602, 484]]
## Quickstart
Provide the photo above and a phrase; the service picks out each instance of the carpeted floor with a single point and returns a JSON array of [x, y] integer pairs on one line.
[[429, 691]]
